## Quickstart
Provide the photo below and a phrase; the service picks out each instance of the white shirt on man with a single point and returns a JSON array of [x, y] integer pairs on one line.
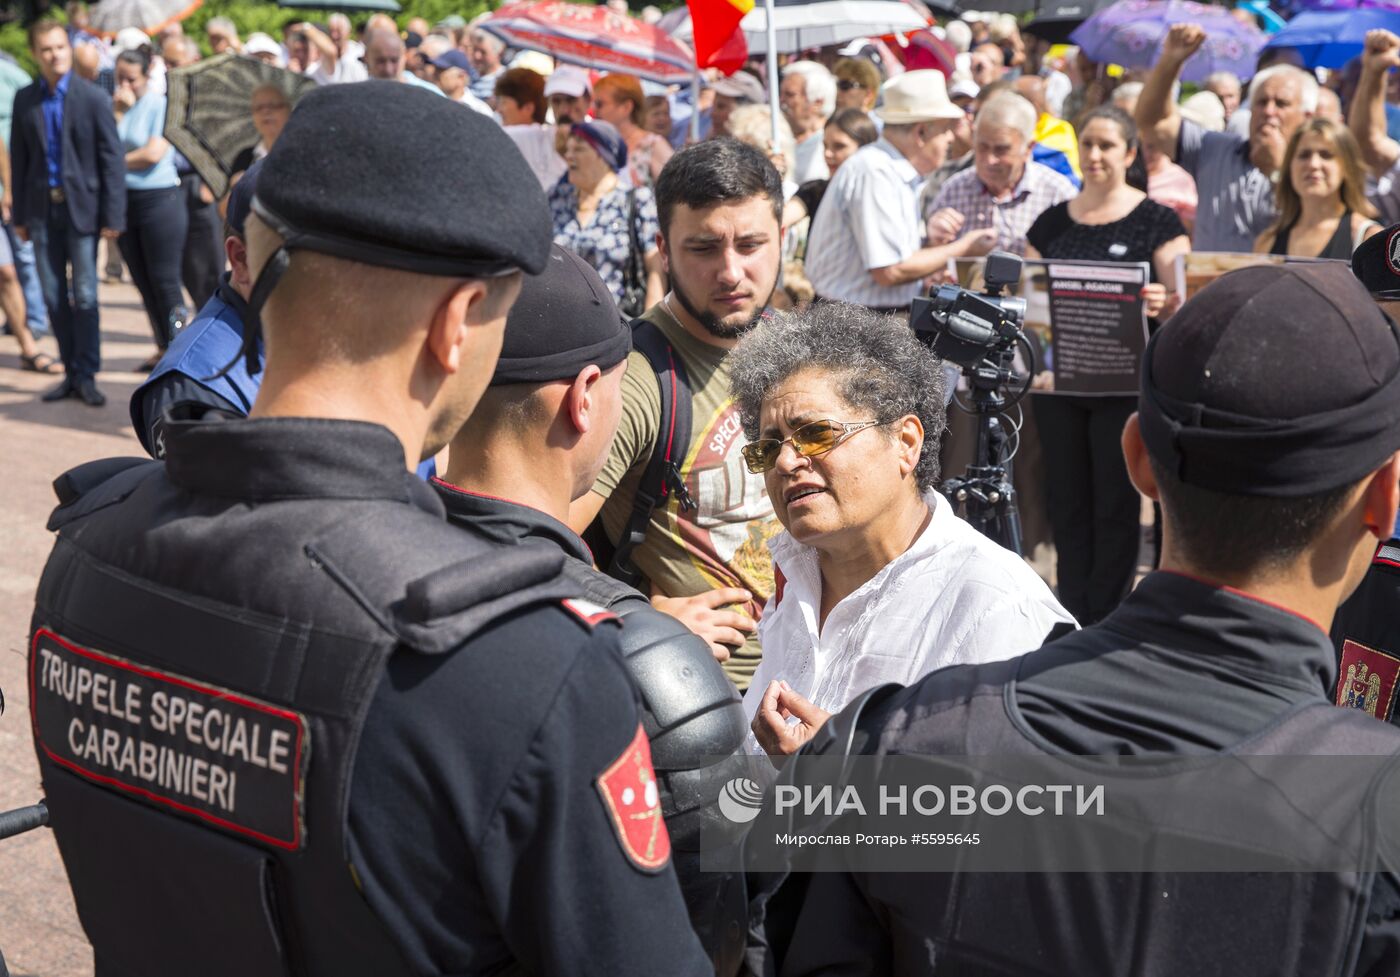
[[869, 219], [348, 68], [536, 144], [810, 163], [953, 598]]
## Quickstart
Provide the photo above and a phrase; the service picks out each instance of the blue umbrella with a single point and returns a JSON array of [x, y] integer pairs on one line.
[[1131, 32], [1331, 38]]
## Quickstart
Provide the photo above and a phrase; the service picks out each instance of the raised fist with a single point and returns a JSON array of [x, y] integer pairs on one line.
[[1382, 51], [1183, 40]]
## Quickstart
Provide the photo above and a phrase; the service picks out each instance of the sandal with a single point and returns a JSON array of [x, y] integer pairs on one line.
[[41, 363]]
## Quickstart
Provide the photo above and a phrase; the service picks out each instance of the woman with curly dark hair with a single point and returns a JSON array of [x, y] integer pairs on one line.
[[879, 579]]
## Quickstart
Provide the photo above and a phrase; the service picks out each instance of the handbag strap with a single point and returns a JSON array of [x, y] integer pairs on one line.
[[634, 257]]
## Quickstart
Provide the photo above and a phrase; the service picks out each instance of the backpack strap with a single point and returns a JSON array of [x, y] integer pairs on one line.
[[662, 475]]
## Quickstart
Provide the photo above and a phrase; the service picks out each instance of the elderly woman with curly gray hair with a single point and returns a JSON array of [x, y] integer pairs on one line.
[[877, 579]]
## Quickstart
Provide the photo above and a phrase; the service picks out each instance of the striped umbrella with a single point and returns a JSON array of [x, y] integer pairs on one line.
[[147, 16], [594, 37], [802, 24], [208, 113]]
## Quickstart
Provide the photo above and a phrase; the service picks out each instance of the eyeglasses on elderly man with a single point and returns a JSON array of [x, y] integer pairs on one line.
[[882, 581]]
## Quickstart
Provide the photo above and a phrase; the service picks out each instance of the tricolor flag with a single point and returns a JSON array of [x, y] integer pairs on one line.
[[718, 41]]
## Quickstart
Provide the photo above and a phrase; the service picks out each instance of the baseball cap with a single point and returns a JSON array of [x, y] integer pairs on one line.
[[260, 43], [240, 198], [964, 87], [567, 80], [131, 38], [451, 58]]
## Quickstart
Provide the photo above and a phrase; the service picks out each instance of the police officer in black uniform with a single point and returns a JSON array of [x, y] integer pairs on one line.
[[1277, 473], [1366, 631], [536, 442], [288, 721]]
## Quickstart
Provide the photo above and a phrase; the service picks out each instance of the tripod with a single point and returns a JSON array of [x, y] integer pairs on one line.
[[984, 495]]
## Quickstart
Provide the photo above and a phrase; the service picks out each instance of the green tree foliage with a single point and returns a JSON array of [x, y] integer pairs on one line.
[[261, 15]]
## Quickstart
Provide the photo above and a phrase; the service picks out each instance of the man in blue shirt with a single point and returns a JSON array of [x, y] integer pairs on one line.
[[69, 174]]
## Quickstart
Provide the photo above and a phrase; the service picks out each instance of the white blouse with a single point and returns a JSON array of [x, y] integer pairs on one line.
[[954, 597]]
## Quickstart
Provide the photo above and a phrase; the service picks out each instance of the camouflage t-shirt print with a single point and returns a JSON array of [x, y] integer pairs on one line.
[[723, 541]]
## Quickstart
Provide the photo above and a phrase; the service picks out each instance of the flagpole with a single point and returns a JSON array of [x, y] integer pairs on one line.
[[772, 70], [695, 105]]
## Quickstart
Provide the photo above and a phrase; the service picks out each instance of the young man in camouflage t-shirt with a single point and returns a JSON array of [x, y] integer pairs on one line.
[[720, 205]]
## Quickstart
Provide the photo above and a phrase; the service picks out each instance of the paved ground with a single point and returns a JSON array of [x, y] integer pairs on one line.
[[39, 931]]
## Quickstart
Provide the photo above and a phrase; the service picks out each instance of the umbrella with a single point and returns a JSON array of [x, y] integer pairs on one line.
[[1057, 20], [207, 116], [1130, 34], [1000, 6], [801, 24], [147, 16], [1294, 7], [1329, 39], [351, 6], [594, 37]]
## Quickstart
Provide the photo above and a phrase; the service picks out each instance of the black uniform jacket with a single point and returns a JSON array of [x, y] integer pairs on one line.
[[1181, 667], [479, 825]]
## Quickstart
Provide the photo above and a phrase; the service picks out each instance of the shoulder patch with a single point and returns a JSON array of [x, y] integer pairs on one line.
[[207, 752], [1388, 554], [632, 797], [1366, 680], [588, 612]]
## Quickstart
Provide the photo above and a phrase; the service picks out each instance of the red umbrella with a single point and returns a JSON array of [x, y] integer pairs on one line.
[[594, 37], [925, 50]]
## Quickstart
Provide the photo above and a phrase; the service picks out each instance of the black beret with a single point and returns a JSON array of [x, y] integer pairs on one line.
[[564, 320], [391, 174], [1276, 380], [1377, 263]]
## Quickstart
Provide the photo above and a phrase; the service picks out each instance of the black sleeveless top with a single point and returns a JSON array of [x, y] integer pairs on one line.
[[1338, 247]]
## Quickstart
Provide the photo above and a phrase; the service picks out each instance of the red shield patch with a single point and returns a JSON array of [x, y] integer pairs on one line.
[[633, 799], [1367, 679]]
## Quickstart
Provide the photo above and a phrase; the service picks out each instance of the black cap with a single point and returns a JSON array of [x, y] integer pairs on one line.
[[240, 198], [1377, 263], [1276, 380], [393, 175], [564, 320]]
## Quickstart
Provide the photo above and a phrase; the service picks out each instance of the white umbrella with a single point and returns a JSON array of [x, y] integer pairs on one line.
[[800, 25], [147, 16]]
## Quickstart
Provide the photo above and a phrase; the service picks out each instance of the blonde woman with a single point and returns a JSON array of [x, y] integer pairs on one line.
[[1321, 194]]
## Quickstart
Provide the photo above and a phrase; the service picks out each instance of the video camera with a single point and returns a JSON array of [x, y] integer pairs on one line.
[[980, 333], [966, 327]]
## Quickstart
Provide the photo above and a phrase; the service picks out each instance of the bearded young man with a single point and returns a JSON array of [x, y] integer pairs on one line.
[[720, 204]]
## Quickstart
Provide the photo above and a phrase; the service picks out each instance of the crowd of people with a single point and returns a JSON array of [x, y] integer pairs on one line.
[[708, 375], [888, 173]]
